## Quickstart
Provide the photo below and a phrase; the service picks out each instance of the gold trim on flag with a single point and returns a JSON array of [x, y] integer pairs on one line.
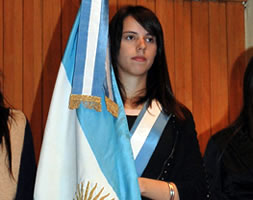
[[112, 107], [90, 102], [93, 102]]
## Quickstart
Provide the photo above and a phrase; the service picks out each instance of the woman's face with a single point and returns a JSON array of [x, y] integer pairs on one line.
[[137, 49]]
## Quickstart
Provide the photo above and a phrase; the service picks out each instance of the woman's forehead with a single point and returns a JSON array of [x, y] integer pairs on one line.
[[131, 25]]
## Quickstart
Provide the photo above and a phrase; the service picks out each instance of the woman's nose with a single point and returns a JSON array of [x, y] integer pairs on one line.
[[141, 44]]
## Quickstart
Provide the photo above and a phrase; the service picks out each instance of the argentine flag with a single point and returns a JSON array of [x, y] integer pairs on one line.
[[86, 152]]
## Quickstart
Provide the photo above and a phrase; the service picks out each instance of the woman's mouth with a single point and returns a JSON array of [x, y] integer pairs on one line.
[[139, 58]]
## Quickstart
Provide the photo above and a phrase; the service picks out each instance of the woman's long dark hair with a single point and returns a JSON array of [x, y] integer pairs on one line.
[[244, 122], [158, 84], [245, 119], [4, 129]]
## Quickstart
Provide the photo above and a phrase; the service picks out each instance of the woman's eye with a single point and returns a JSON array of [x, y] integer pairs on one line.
[[129, 37], [150, 39]]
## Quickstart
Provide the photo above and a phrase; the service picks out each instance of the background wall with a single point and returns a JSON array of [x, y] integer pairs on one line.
[[249, 28], [205, 43]]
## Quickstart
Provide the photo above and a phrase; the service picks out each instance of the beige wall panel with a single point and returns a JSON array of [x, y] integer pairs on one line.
[[126, 2], [183, 65], [113, 7], [218, 66], [201, 70], [69, 12], [147, 3], [249, 29], [165, 13], [52, 50], [32, 74], [13, 50]]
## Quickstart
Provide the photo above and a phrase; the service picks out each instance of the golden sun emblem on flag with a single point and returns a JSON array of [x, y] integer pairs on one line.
[[88, 195]]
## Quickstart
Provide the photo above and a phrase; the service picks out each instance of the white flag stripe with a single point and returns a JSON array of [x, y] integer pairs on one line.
[[108, 73], [142, 131], [52, 181], [91, 50], [59, 149]]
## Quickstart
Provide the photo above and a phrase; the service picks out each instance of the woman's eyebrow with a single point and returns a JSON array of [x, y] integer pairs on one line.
[[130, 32], [133, 32]]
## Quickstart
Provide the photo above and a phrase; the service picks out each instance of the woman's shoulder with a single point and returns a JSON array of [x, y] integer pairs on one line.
[[17, 115], [186, 116], [187, 113], [222, 136], [185, 123], [17, 121], [220, 139]]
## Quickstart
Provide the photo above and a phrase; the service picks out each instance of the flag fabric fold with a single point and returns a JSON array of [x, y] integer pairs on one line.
[[86, 154]]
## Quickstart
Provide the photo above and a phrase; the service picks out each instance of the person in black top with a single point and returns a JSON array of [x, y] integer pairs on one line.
[[17, 158], [229, 153], [174, 168]]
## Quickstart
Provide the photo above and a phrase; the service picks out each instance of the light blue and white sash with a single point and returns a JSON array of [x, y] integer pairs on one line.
[[146, 132]]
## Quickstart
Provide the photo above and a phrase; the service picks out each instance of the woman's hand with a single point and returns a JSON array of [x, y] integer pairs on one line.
[[155, 189]]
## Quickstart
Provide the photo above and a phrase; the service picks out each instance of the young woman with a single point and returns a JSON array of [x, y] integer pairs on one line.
[[17, 159], [164, 139], [229, 153]]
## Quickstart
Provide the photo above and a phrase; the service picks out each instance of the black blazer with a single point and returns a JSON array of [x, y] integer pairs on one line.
[[177, 159], [27, 170], [229, 163]]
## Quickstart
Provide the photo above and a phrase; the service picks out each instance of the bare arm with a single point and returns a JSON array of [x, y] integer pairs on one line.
[[157, 190]]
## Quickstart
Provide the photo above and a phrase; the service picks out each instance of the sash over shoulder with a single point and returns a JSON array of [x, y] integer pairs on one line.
[[146, 132]]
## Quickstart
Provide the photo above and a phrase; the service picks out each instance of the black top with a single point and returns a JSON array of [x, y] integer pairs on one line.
[[27, 170], [177, 159], [229, 163]]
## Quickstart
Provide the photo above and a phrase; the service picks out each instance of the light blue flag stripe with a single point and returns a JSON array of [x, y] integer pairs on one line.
[[83, 24], [99, 71]]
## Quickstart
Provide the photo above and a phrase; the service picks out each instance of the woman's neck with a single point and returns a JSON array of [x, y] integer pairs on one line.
[[135, 87], [131, 108]]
